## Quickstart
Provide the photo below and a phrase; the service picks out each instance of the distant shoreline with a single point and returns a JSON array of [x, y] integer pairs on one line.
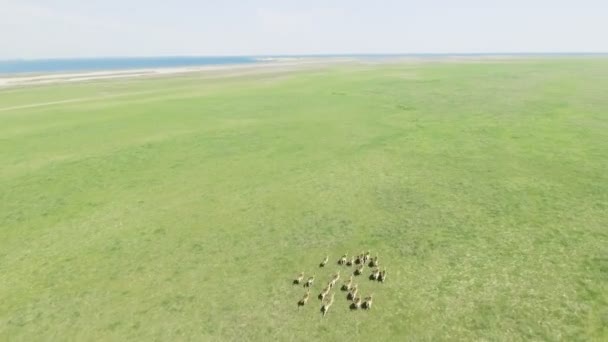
[[251, 64], [223, 70], [27, 67], [73, 65]]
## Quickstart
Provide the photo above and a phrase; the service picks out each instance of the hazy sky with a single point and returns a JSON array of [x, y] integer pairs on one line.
[[81, 28]]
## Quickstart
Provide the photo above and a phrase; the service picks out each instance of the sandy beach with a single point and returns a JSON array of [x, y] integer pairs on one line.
[[267, 65]]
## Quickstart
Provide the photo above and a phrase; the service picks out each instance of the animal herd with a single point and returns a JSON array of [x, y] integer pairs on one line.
[[326, 296]]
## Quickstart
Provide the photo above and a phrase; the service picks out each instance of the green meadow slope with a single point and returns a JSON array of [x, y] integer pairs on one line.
[[182, 208]]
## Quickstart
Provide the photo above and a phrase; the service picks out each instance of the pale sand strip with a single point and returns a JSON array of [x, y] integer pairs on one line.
[[14, 81], [207, 71], [264, 65]]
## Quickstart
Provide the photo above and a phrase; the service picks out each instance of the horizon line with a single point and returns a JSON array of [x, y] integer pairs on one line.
[[388, 54]]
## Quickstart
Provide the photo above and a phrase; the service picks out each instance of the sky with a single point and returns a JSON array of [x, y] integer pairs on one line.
[[77, 28]]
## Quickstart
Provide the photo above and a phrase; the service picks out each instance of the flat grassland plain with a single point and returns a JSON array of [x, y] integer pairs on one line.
[[181, 208]]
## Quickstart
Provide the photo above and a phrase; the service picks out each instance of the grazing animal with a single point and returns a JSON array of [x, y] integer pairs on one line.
[[324, 292], [375, 274], [324, 262], [358, 270], [334, 279], [366, 257], [356, 303], [350, 261], [325, 307], [310, 281], [299, 278], [342, 260], [374, 262], [359, 259], [382, 276], [304, 299], [348, 285], [367, 303], [353, 292]]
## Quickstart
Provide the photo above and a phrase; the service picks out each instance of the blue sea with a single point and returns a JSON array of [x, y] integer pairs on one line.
[[122, 63], [37, 66]]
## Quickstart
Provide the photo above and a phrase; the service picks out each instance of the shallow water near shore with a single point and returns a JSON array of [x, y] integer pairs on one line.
[[126, 63], [43, 66]]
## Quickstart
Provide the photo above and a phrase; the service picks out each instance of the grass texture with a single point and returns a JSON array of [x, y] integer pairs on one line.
[[181, 208]]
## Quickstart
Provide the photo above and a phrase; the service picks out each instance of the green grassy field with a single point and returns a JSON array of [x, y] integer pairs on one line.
[[182, 208]]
